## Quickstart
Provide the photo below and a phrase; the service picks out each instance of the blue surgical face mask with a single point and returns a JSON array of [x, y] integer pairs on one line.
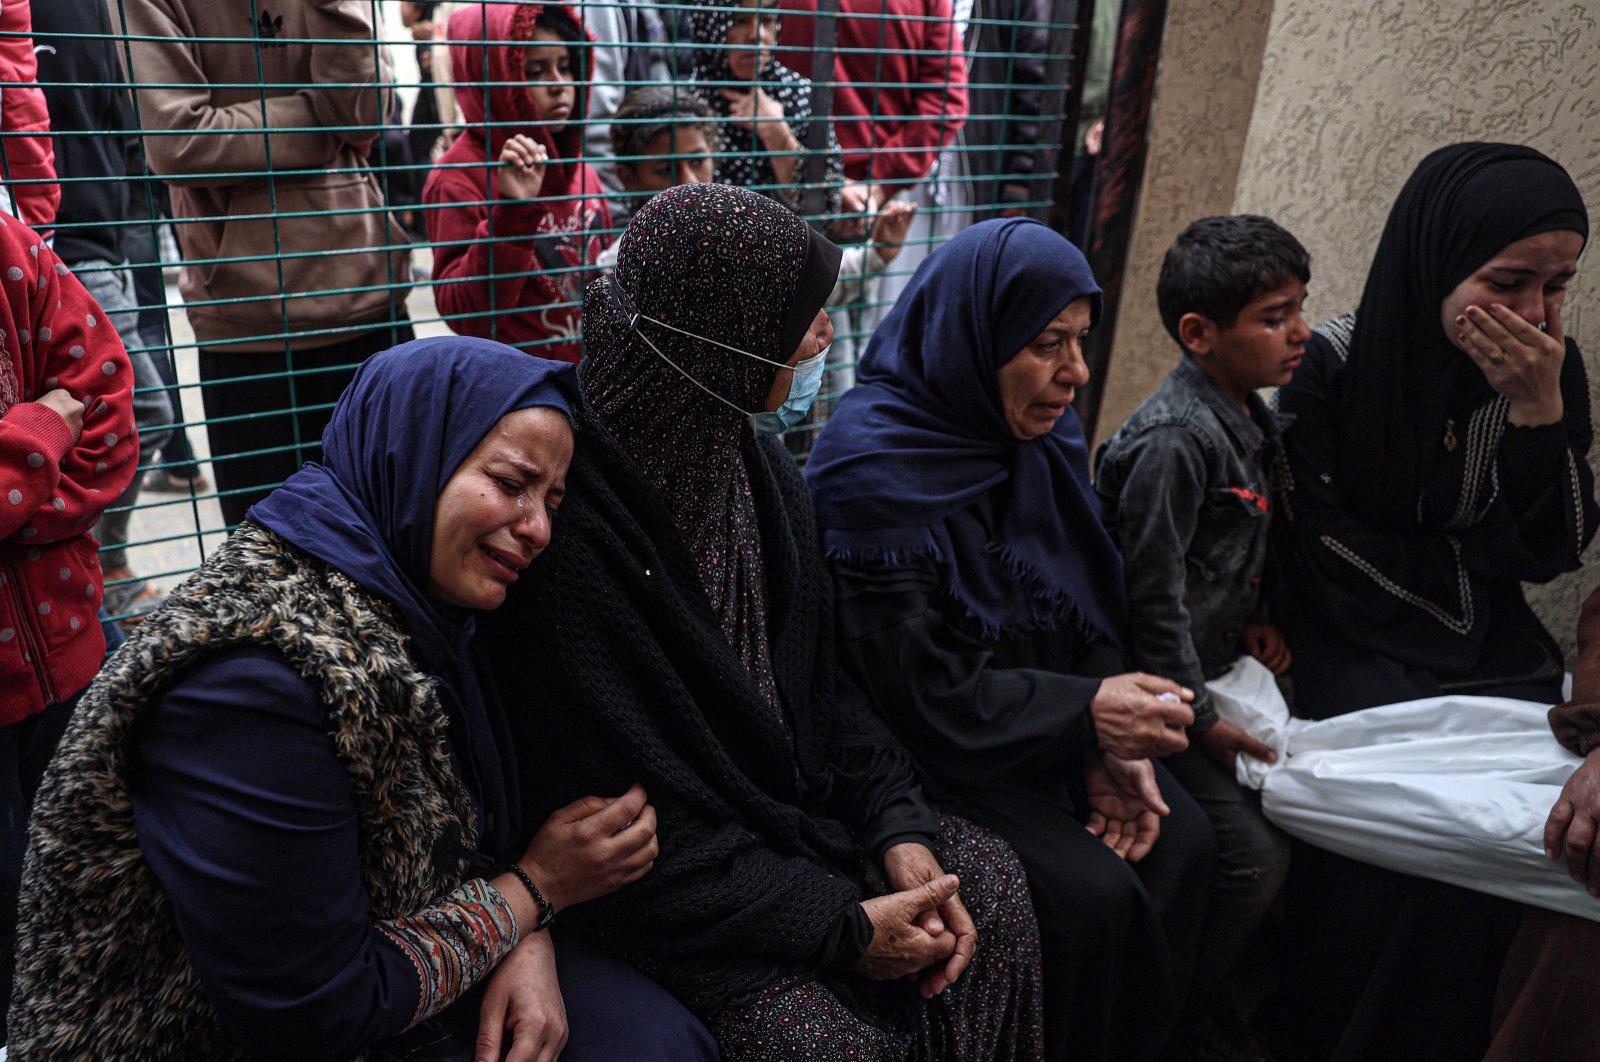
[[803, 388], [804, 384]]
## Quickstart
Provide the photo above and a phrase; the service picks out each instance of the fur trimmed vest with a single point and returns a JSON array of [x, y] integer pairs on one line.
[[101, 970]]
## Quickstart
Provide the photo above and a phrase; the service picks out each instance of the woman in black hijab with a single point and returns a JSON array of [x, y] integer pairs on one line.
[[1438, 460], [686, 626]]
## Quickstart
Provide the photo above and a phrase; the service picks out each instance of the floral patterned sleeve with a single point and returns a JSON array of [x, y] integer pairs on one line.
[[454, 942]]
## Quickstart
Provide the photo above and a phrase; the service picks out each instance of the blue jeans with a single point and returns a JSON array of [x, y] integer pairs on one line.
[[111, 285]]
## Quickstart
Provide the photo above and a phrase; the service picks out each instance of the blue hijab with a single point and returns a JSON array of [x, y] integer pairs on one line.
[[918, 461], [401, 429]]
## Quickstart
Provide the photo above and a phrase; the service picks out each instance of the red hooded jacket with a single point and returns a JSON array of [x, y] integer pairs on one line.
[[23, 110], [533, 267], [53, 488]]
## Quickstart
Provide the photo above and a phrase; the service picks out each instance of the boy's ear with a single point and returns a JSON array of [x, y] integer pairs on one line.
[[1197, 333]]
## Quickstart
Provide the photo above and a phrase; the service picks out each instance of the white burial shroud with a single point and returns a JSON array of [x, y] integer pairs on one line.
[[1452, 788]]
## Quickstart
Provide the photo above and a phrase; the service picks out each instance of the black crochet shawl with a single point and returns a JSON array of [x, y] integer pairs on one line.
[[614, 670]]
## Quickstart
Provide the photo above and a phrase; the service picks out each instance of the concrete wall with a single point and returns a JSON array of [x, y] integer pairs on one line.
[[1205, 92], [1350, 95]]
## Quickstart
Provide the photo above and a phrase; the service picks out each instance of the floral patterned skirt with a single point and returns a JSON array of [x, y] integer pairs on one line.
[[994, 1012]]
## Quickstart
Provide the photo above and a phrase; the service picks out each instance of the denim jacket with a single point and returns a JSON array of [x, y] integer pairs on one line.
[[1186, 489]]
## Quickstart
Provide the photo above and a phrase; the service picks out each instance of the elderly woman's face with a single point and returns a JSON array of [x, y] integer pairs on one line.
[[1038, 385], [493, 516], [1528, 277]]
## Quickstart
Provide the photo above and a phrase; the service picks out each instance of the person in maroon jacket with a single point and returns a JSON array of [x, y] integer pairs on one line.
[[901, 91], [514, 214], [67, 448], [899, 98]]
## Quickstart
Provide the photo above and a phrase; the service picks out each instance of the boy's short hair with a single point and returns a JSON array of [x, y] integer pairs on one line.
[[1217, 265], [647, 112]]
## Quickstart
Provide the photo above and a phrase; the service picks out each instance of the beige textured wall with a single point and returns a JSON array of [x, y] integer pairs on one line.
[[1353, 94], [1210, 63]]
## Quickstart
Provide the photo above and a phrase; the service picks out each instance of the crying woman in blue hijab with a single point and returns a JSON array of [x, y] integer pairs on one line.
[[807, 898], [980, 604], [294, 782]]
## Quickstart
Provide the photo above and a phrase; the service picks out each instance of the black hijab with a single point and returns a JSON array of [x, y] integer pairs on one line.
[[734, 267], [1404, 382]]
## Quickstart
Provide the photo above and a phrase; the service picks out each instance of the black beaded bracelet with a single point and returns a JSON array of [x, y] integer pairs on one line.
[[547, 914]]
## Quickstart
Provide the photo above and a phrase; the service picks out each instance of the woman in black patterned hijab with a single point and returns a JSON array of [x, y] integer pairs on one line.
[[764, 108], [805, 889]]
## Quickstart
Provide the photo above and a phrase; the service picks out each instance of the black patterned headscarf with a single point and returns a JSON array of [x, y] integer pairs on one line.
[[729, 265]]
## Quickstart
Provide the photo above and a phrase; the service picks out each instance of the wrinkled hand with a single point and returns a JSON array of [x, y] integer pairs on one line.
[[1224, 742], [522, 166], [889, 231], [1125, 804], [70, 408], [909, 865], [1573, 823], [1518, 360], [900, 946], [592, 847], [523, 1004], [1266, 643], [1132, 720]]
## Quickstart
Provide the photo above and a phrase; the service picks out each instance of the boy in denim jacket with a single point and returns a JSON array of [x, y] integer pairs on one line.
[[1186, 490]]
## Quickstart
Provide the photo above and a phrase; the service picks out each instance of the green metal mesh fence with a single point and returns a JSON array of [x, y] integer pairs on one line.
[[266, 191]]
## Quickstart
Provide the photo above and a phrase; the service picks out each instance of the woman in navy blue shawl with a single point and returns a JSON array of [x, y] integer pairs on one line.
[[244, 803], [980, 602]]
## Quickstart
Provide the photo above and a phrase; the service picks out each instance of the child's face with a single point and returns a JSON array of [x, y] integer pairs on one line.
[[1262, 348], [549, 71], [691, 166], [751, 38]]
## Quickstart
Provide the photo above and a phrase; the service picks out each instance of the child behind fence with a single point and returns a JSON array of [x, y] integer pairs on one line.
[[514, 214]]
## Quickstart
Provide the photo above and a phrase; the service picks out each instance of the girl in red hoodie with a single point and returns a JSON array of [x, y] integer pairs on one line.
[[67, 449], [516, 218]]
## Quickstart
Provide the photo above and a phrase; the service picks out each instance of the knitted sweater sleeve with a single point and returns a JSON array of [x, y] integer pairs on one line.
[[720, 900]]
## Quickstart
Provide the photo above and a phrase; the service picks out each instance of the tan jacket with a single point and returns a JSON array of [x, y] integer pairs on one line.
[[221, 115]]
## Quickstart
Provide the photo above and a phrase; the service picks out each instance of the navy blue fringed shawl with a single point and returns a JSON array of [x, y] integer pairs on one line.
[[918, 461]]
